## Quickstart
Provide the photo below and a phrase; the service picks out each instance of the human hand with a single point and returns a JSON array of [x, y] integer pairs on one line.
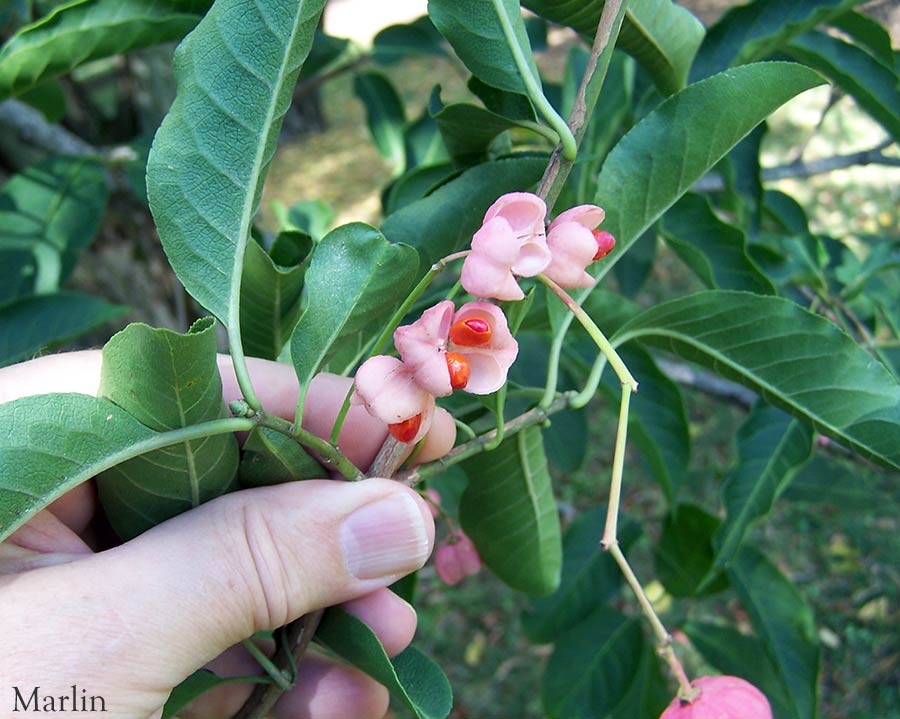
[[130, 622]]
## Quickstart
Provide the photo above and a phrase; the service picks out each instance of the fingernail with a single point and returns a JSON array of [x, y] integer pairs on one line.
[[385, 537]]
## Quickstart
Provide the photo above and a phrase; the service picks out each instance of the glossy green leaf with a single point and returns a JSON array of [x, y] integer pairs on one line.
[[51, 443], [873, 85], [714, 249], [798, 361], [785, 624], [662, 156], [772, 446], [659, 34], [423, 142], [490, 38], [166, 381], [867, 33], [384, 116], [786, 211], [444, 221], [501, 102], [756, 30], [200, 682], [269, 457], [355, 280], [83, 30], [236, 73], [325, 52], [413, 679], [634, 269], [49, 213], [509, 511], [648, 693], [399, 42], [741, 655], [30, 324], [658, 424], [270, 298], [592, 666], [684, 554], [416, 184], [469, 130], [590, 577]]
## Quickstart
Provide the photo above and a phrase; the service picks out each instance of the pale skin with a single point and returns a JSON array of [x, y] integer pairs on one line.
[[130, 622]]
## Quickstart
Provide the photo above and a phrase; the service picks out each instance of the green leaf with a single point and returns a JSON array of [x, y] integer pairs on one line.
[[31, 324], [772, 446], [715, 250], [270, 297], [399, 42], [796, 360], [509, 511], [355, 280], [756, 30], [236, 73], [873, 85], [444, 221], [423, 143], [413, 679], [490, 38], [658, 424], [659, 34], [416, 184], [684, 554], [469, 130], [662, 156], [83, 30], [269, 457], [740, 655], [785, 624], [49, 213], [869, 34], [166, 381], [51, 443], [590, 577], [200, 682], [384, 116], [634, 268], [843, 485], [592, 666], [312, 217]]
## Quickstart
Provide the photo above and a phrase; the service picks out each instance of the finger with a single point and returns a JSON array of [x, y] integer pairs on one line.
[[392, 620], [67, 372], [45, 540], [324, 689], [187, 589], [328, 690]]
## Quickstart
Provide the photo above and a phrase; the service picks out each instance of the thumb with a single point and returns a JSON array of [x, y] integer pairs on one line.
[[184, 591]]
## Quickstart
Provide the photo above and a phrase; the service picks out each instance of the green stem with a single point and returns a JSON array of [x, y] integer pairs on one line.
[[599, 339], [593, 381], [281, 681], [533, 416], [533, 87], [326, 452], [239, 362]]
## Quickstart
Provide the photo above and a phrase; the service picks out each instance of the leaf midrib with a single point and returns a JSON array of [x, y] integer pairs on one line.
[[744, 372]]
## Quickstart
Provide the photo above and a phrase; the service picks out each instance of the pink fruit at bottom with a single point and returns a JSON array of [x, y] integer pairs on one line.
[[721, 697]]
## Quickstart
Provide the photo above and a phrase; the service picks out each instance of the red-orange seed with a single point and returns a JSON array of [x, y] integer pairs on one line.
[[460, 370], [605, 243], [473, 332], [406, 430]]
